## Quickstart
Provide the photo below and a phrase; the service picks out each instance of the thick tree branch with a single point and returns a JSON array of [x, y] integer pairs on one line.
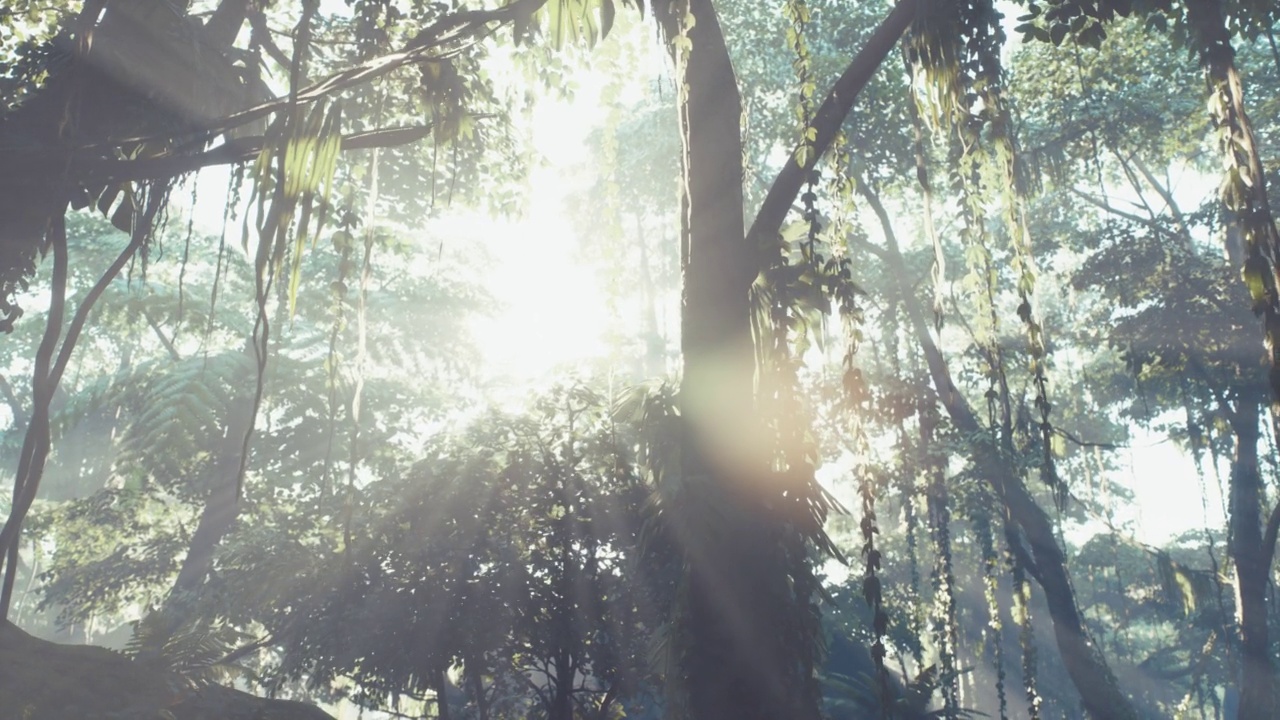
[[233, 151], [448, 37], [224, 25], [164, 339], [830, 116]]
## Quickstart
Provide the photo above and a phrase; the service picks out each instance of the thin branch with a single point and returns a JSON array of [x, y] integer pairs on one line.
[[1132, 177], [262, 35], [1165, 195], [164, 340], [1102, 204], [141, 233], [1086, 443], [244, 650]]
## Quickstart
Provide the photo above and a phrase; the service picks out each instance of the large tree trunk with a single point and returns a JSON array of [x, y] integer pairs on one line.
[[1099, 692], [1252, 565], [729, 662], [742, 646]]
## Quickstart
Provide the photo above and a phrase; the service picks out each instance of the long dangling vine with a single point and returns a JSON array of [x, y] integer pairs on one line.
[[1024, 268], [955, 53], [939, 270], [343, 243], [790, 297], [1244, 186], [901, 406], [798, 17], [800, 284], [981, 521], [1026, 633], [291, 181], [942, 577]]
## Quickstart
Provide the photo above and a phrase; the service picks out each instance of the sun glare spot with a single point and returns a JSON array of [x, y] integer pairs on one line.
[[548, 315]]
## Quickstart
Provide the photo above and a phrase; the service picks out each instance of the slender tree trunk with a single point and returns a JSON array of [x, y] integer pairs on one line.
[[562, 690], [47, 377], [442, 702], [1099, 692], [1257, 693], [217, 518], [478, 693]]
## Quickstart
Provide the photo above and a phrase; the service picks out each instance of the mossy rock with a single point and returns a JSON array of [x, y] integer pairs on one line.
[[41, 680]]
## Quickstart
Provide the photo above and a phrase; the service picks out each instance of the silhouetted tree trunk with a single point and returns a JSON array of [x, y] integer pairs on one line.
[[442, 701], [730, 641], [737, 639]]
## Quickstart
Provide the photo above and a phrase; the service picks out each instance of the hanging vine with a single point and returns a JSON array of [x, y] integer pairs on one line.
[[982, 522], [945, 624], [798, 18], [900, 406], [1026, 633], [1244, 184]]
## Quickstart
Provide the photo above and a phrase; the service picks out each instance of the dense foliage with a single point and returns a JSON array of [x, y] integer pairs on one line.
[[939, 371]]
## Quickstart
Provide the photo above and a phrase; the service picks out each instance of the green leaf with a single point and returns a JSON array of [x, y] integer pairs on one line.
[[607, 11]]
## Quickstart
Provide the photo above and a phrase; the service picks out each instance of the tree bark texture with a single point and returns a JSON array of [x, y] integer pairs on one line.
[[728, 634]]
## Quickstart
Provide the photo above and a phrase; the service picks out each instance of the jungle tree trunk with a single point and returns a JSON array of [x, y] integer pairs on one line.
[[727, 633], [476, 681], [562, 689], [742, 650], [1100, 694], [1252, 565]]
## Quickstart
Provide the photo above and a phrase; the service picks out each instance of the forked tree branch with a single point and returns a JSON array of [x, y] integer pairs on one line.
[[830, 116]]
